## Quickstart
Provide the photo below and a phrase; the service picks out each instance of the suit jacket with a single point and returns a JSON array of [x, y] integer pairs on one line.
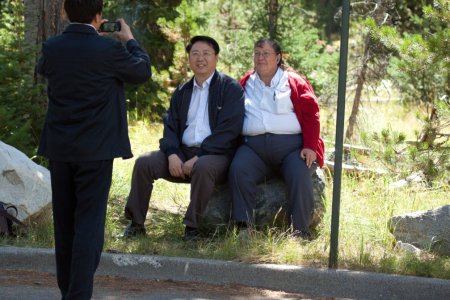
[[225, 113], [86, 118]]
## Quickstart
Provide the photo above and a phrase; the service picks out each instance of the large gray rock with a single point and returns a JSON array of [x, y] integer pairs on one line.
[[427, 230], [270, 203], [23, 183]]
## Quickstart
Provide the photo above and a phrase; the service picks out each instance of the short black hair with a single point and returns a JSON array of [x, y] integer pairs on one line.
[[82, 11], [203, 38]]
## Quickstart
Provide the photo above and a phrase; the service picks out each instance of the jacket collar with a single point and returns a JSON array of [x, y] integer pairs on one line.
[[190, 83], [80, 28]]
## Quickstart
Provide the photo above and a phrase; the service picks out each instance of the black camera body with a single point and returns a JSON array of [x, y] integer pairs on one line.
[[110, 27]]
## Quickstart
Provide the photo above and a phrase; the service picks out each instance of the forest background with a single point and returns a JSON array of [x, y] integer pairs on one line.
[[398, 65]]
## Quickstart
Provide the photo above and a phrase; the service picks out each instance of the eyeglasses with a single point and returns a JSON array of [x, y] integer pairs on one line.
[[263, 54], [197, 55]]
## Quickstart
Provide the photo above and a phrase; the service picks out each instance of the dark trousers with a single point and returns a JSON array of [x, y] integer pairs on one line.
[[208, 171], [261, 157], [79, 197]]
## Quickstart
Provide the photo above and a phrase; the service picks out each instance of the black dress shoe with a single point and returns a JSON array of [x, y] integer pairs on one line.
[[303, 235], [134, 229], [191, 234]]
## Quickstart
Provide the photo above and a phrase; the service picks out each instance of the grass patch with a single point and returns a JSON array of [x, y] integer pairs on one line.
[[365, 242]]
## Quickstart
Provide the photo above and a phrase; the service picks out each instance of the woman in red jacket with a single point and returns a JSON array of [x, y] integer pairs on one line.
[[281, 134]]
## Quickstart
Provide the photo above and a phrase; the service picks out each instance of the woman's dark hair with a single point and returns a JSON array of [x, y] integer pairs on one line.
[[82, 11], [202, 38], [275, 46]]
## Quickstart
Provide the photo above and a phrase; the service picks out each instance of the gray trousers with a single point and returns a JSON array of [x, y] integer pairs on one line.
[[208, 171], [261, 157]]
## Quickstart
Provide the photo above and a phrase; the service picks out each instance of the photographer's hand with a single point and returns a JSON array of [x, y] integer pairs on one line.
[[98, 28], [125, 32]]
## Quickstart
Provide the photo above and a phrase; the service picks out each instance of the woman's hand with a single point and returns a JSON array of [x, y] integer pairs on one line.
[[308, 155]]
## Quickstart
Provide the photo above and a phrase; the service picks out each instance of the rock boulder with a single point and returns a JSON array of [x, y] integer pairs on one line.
[[270, 203], [23, 183], [427, 230]]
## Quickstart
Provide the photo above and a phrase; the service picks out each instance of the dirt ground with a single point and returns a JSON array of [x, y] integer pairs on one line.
[[107, 287]]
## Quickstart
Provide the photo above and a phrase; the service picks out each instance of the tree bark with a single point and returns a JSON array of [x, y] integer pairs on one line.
[[272, 9], [43, 19], [379, 14], [360, 81]]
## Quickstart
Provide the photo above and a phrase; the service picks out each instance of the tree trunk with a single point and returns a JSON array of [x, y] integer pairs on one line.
[[430, 130], [43, 19], [360, 80], [379, 14], [272, 9]]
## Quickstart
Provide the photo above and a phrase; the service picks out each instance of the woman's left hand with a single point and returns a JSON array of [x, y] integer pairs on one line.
[[308, 155]]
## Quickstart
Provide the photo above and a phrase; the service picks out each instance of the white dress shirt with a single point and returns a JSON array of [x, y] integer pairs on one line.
[[269, 109], [198, 117]]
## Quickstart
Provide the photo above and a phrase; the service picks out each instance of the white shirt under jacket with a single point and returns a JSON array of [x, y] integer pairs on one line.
[[198, 118], [269, 109]]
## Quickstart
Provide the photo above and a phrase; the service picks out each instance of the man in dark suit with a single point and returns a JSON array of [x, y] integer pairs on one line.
[[85, 129], [200, 136]]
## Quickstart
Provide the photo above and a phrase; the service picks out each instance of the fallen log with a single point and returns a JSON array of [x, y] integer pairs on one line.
[[355, 170]]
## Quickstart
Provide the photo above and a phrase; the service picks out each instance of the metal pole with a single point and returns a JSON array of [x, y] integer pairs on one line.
[[339, 136]]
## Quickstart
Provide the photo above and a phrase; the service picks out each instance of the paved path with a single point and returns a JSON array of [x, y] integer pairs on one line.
[[19, 285], [189, 278]]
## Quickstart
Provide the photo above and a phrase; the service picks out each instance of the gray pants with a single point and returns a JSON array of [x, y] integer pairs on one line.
[[261, 157], [208, 171]]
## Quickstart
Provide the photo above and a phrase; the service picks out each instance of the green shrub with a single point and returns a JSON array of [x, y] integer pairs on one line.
[[22, 104]]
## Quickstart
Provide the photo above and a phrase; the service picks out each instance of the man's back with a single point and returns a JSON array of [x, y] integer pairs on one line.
[[85, 129], [87, 109]]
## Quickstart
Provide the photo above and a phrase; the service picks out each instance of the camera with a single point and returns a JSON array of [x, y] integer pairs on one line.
[[110, 27]]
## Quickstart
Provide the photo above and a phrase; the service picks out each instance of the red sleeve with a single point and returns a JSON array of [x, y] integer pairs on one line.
[[306, 108], [244, 78]]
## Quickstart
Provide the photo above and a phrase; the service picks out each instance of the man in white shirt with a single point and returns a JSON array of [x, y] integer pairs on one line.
[[200, 137]]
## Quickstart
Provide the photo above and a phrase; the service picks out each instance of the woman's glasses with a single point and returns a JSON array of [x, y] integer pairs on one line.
[[257, 54]]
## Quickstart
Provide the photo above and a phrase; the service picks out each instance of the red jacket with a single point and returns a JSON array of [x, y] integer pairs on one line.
[[306, 108]]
